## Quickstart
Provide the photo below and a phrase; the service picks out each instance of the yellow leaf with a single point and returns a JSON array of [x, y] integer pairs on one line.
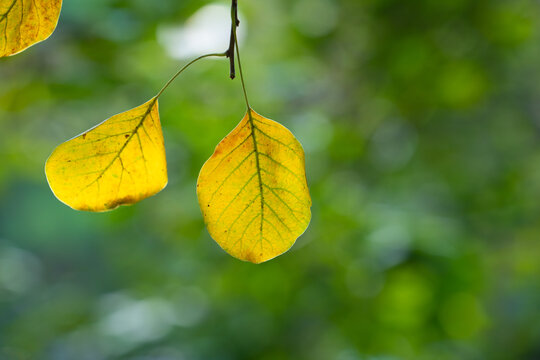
[[119, 162], [253, 192], [26, 22]]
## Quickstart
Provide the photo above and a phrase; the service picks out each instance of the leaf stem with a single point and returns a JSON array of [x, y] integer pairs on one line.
[[241, 73], [184, 68]]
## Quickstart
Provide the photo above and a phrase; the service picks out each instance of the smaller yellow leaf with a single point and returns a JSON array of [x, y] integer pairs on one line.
[[253, 192], [119, 162], [24, 23]]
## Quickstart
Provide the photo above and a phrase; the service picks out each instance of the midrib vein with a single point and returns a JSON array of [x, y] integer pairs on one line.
[[257, 164], [148, 110]]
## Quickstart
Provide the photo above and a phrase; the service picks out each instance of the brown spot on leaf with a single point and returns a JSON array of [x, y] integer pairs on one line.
[[126, 200], [249, 256]]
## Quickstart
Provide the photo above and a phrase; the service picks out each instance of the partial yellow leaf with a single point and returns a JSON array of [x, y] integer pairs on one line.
[[119, 162], [26, 22], [253, 192]]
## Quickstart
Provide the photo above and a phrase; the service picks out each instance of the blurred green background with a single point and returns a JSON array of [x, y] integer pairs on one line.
[[421, 123]]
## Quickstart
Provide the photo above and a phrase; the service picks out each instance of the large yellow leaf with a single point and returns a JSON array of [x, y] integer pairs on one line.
[[26, 22], [253, 192], [119, 162]]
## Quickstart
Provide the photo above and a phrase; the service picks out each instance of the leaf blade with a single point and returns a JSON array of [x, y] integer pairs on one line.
[[26, 22], [253, 191], [118, 162]]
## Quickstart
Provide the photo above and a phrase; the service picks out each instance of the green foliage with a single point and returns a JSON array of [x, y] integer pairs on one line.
[[419, 123]]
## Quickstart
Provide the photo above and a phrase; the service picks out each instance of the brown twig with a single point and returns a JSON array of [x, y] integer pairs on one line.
[[234, 24]]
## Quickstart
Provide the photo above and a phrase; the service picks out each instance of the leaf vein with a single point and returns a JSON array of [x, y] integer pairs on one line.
[[277, 216], [278, 141], [284, 203], [229, 154], [275, 229], [230, 174], [234, 198], [283, 166], [133, 133], [239, 215]]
